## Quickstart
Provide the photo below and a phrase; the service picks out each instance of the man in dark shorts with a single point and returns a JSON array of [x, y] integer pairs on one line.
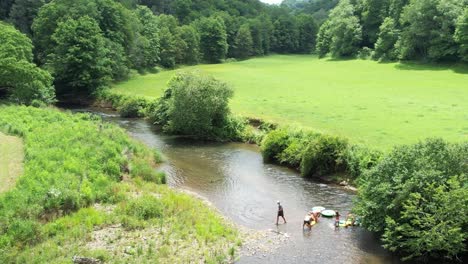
[[280, 213]]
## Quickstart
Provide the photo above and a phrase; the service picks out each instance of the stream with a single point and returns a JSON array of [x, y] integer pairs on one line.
[[233, 177]]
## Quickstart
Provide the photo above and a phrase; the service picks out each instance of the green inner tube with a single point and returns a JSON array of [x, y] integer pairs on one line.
[[318, 208], [328, 213]]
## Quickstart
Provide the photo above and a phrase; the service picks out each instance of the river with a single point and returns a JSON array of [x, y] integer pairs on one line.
[[233, 177]]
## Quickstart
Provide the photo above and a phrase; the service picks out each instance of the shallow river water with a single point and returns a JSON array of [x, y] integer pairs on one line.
[[234, 178]]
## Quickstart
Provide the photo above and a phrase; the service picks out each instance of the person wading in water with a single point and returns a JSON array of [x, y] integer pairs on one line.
[[280, 213]]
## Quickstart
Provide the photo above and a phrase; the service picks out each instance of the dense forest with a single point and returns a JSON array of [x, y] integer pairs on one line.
[[87, 43], [432, 30]]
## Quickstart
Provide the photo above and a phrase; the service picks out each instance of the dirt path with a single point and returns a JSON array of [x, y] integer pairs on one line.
[[11, 161]]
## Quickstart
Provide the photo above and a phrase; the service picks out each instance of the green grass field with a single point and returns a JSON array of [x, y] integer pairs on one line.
[[11, 161], [378, 104]]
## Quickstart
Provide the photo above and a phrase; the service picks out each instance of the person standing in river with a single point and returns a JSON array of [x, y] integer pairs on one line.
[[280, 213]]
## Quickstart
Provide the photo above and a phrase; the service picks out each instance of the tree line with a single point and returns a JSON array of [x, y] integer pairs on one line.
[[86, 44], [431, 30]]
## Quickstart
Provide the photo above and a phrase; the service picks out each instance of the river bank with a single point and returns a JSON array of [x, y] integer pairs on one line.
[[234, 179], [89, 191], [357, 159]]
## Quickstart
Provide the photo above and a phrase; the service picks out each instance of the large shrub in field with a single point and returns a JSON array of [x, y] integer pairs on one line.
[[417, 198], [197, 105]]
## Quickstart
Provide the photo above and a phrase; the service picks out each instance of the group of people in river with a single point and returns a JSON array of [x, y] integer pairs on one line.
[[312, 217]]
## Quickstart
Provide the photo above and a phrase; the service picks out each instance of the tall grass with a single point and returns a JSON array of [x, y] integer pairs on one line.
[[73, 162]]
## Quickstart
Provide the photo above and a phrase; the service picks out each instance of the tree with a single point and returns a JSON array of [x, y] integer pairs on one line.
[[388, 36], [23, 81], [116, 23], [169, 41], [415, 196], [342, 33], [147, 45], [189, 46], [196, 105], [213, 39], [285, 33], [244, 42], [23, 12], [261, 29], [373, 14], [428, 29], [461, 35], [324, 40], [80, 60], [5, 6], [307, 33]]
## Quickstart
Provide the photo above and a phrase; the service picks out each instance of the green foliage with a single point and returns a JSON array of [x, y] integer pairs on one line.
[[308, 30], [169, 41], [341, 34], [132, 107], [388, 36], [23, 12], [143, 168], [359, 159], [71, 161], [416, 197], [197, 105], [324, 155], [243, 42], [145, 53], [80, 61], [428, 29], [285, 35], [213, 39], [373, 14], [188, 45], [461, 35], [324, 39], [274, 144], [19, 76], [145, 208]]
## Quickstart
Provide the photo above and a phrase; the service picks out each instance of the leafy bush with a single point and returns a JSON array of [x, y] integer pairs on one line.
[[274, 144], [365, 53], [324, 155], [196, 105], [416, 197], [132, 107], [360, 159]]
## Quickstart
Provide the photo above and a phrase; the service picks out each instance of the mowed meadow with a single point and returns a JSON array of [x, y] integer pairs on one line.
[[377, 104]]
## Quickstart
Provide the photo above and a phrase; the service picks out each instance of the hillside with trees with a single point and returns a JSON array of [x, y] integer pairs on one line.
[[430, 30]]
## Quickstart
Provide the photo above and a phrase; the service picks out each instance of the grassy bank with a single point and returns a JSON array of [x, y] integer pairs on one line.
[[11, 161], [372, 103], [89, 190]]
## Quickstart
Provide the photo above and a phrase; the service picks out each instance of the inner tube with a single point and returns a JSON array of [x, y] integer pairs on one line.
[[318, 209], [328, 213]]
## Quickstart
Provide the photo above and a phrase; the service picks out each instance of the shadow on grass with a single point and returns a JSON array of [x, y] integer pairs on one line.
[[457, 67], [421, 66]]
